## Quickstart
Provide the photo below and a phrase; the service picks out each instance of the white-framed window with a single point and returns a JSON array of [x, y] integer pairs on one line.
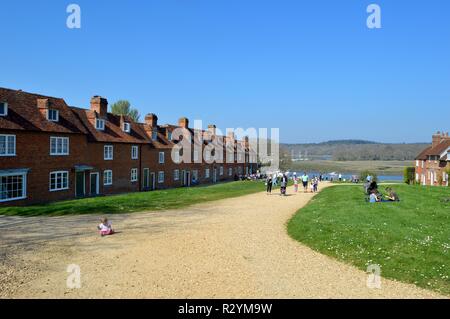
[[53, 115], [126, 127], [169, 136], [195, 175], [107, 177], [230, 171], [161, 157], [3, 108], [230, 157], [207, 173], [100, 124], [59, 145], [417, 163], [108, 152], [154, 135], [161, 177], [176, 157], [134, 174], [7, 145], [221, 170], [59, 181], [13, 186], [176, 175], [134, 152]]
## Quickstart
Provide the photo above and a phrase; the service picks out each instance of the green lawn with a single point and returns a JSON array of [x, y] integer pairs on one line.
[[138, 202], [410, 240]]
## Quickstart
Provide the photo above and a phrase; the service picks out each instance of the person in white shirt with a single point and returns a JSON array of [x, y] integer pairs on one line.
[[105, 227]]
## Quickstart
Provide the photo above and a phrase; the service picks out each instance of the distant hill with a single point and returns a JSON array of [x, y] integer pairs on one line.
[[352, 150]]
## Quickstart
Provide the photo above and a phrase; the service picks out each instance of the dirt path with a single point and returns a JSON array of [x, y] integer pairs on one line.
[[233, 248]]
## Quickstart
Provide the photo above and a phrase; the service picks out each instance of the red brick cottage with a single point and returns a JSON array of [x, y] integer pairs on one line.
[[50, 151], [433, 163]]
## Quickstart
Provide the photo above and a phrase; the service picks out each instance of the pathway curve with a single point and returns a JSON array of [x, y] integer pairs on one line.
[[233, 248]]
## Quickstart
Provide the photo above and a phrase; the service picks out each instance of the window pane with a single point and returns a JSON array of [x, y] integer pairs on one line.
[[11, 144], [2, 145]]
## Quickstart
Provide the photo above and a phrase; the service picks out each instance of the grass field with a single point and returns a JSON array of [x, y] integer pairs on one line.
[[378, 167], [137, 202], [410, 240]]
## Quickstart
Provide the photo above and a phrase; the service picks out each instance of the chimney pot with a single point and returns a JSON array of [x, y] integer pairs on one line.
[[99, 105], [151, 120], [183, 122]]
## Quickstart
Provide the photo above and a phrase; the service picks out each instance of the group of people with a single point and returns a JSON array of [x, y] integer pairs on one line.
[[376, 196], [283, 180]]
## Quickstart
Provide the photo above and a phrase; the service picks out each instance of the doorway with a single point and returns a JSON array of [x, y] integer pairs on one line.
[[80, 184], [146, 179], [95, 184]]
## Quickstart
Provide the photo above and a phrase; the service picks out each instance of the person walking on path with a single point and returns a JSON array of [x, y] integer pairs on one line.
[[283, 184], [305, 179], [295, 183], [269, 184]]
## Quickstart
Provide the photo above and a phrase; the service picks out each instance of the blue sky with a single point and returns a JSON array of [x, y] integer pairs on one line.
[[311, 68]]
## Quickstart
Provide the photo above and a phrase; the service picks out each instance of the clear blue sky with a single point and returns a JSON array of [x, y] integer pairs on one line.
[[311, 68]]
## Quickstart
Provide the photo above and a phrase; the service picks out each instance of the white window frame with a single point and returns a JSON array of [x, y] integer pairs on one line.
[[98, 126], [6, 109], [154, 135], [107, 177], [221, 171], [207, 173], [134, 152], [134, 175], [62, 188], [105, 152], [61, 153], [126, 127], [195, 174], [230, 171], [7, 150], [24, 186], [176, 175], [160, 177], [161, 158], [57, 115]]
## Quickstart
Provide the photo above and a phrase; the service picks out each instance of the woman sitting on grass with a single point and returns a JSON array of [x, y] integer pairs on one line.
[[374, 198], [391, 196]]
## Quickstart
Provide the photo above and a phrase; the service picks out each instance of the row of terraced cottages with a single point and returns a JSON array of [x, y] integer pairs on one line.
[[50, 151], [433, 163]]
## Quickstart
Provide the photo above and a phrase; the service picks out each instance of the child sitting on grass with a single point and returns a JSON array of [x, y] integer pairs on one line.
[[105, 227]]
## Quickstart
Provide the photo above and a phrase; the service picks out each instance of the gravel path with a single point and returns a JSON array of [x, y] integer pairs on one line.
[[233, 248]]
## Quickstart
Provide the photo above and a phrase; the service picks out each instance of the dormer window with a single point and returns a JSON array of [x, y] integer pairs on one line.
[[53, 115], [154, 135], [126, 127], [100, 124], [3, 108], [169, 136]]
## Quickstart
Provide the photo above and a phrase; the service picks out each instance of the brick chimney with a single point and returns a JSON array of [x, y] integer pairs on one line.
[[99, 105], [212, 129], [43, 105], [151, 120], [183, 122]]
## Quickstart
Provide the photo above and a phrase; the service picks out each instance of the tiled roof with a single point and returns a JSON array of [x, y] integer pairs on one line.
[[423, 155], [23, 114], [113, 132], [434, 151]]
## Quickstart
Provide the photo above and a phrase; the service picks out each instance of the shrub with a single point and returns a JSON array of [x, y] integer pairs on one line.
[[409, 175], [363, 176]]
